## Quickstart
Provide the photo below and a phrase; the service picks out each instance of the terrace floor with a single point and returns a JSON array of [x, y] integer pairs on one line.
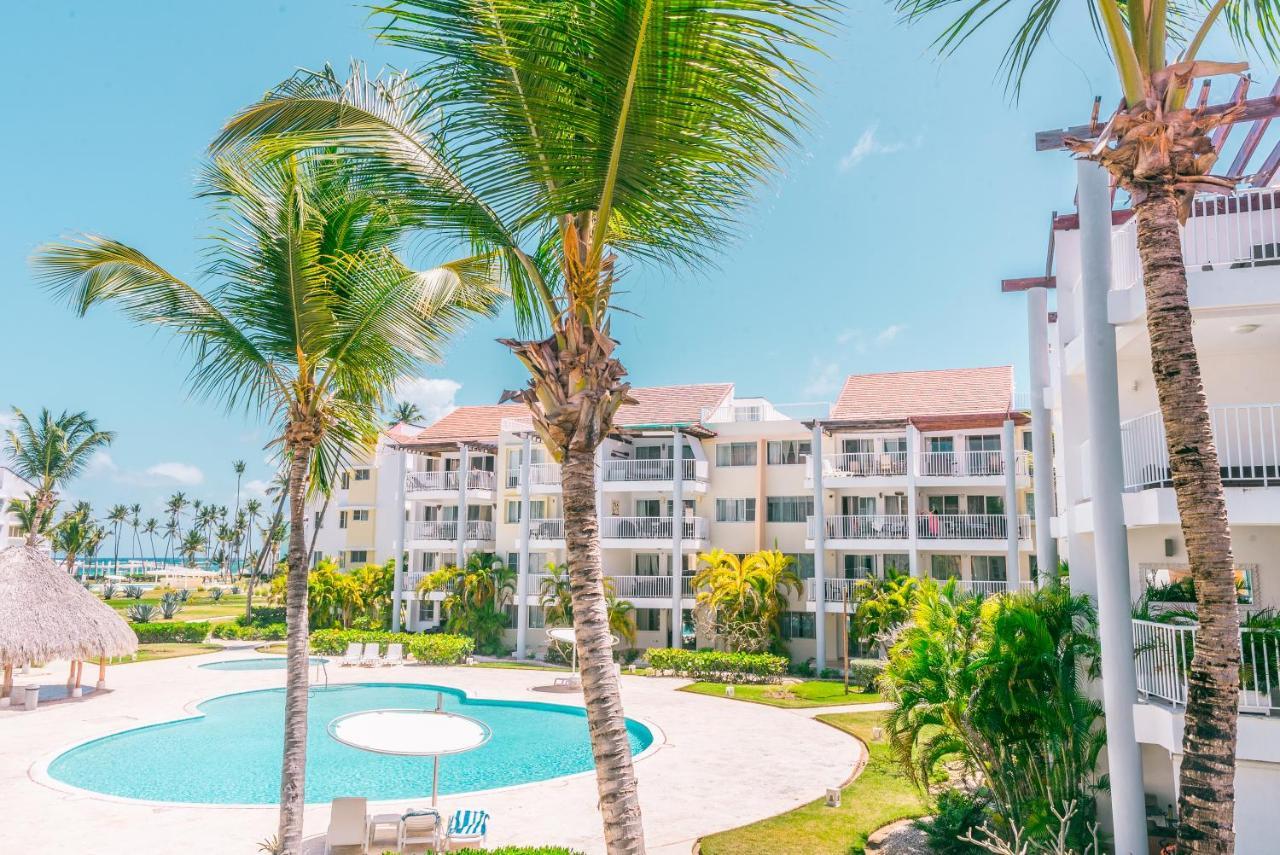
[[719, 764]]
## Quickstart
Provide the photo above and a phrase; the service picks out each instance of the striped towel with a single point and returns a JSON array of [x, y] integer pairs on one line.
[[468, 823]]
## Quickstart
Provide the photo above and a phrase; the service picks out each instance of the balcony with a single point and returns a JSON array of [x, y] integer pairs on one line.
[[877, 527], [546, 533], [632, 588], [441, 484], [944, 527], [969, 464], [414, 578], [837, 589], [864, 464], [896, 528], [1245, 435], [443, 534], [543, 478], [649, 532], [1163, 658], [654, 475]]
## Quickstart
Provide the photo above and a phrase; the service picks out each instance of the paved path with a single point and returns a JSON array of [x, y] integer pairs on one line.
[[721, 765]]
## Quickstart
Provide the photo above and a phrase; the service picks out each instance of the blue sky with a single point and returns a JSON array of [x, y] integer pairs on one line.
[[880, 248]]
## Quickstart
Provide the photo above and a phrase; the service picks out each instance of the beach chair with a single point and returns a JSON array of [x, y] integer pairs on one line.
[[371, 655], [467, 828], [352, 656], [418, 826], [348, 826], [395, 654]]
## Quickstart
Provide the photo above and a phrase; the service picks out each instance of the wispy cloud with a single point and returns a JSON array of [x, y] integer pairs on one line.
[[869, 144], [862, 341], [178, 473], [164, 474], [889, 333], [435, 396], [824, 378]]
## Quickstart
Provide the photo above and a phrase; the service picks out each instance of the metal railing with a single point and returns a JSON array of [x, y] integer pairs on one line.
[[540, 475], [414, 578], [990, 587], [969, 526], [546, 529], [1163, 657], [834, 589], [448, 530], [865, 527], [966, 463], [651, 528], [1247, 437], [653, 470], [865, 464], [642, 587], [477, 479]]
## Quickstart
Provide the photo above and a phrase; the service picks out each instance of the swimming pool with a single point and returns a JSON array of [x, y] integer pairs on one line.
[[231, 753], [257, 663]]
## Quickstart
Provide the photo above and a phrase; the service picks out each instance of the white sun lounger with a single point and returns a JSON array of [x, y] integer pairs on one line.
[[395, 654], [348, 825], [371, 655], [352, 656], [419, 826], [467, 828]]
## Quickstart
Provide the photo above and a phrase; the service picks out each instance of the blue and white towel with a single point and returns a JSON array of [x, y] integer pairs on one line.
[[468, 823]]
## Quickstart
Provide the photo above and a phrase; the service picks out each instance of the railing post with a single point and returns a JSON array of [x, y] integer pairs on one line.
[[913, 526], [460, 550], [1041, 433], [819, 553], [677, 533], [522, 571]]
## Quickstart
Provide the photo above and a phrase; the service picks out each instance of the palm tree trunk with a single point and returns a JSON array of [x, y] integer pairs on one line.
[[268, 543], [294, 765], [1207, 780], [615, 775]]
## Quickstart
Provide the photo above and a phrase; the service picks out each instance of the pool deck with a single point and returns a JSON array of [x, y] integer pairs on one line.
[[719, 764]]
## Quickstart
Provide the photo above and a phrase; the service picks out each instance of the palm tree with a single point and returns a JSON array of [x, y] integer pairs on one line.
[[48, 453], [116, 515], [192, 542], [583, 131], [1160, 152], [556, 595], [313, 321], [74, 537], [135, 511], [149, 529], [404, 412], [476, 593], [237, 466], [34, 521], [746, 597], [252, 510]]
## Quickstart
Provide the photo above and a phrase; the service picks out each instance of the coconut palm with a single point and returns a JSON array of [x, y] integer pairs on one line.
[[192, 542], [313, 320], [556, 595], [476, 593], [578, 133], [1159, 151], [135, 512], [116, 515], [49, 452], [73, 537], [404, 412], [745, 597], [34, 520], [149, 528], [238, 467]]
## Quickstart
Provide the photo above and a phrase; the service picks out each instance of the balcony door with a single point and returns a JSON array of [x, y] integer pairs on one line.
[[860, 567], [987, 568], [648, 507], [858, 506], [989, 505], [943, 505]]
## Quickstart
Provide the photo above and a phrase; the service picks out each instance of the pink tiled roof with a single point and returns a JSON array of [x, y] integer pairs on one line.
[[470, 424], [943, 394]]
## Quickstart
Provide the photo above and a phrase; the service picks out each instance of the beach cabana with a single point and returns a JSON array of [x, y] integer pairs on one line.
[[45, 614]]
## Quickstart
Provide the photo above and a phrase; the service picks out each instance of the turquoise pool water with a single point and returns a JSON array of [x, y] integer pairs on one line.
[[231, 754], [259, 663]]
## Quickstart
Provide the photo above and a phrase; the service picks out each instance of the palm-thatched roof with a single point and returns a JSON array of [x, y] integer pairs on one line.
[[45, 614]]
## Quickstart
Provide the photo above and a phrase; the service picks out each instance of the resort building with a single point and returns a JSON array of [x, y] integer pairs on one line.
[[12, 486], [916, 472], [1117, 520]]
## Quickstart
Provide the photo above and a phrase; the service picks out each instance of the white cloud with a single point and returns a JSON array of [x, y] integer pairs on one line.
[[435, 396], [256, 487], [867, 145], [889, 333], [100, 463], [862, 341], [179, 473], [824, 378], [164, 474]]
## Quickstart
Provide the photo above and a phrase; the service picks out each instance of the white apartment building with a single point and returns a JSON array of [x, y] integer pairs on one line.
[[1117, 520], [922, 472], [12, 486]]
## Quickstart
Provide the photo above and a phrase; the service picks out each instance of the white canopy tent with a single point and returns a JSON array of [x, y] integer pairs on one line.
[[565, 635]]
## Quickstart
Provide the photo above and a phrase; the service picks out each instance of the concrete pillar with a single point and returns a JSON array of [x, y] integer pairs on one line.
[[522, 571], [398, 537], [819, 553], [913, 509], [1111, 541], [464, 464], [1041, 432], [677, 536], [1009, 454]]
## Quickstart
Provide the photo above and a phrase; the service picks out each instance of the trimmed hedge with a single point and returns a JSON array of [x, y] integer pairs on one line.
[[866, 672], [269, 632], [154, 633], [263, 616], [433, 649], [716, 665], [441, 649]]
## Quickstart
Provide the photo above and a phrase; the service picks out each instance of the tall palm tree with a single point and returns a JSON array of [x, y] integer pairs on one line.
[[149, 528], [74, 536], [238, 467], [252, 510], [404, 412], [49, 452], [578, 133], [192, 543], [116, 515], [313, 320], [135, 512], [1160, 152], [746, 596]]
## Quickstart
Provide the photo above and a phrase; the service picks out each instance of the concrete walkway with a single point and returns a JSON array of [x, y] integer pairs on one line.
[[719, 765]]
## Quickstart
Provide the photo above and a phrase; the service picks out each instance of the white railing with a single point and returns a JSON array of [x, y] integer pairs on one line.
[[653, 470], [969, 526], [535, 584], [686, 587], [989, 587], [965, 463], [540, 475], [834, 589], [864, 527], [448, 530], [414, 578], [1247, 437], [1164, 652], [546, 529], [865, 463], [642, 587], [477, 479], [651, 528]]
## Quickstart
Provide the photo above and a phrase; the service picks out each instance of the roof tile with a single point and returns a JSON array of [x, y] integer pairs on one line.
[[925, 394]]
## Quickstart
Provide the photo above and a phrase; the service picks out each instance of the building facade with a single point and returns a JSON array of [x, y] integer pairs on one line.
[[12, 486]]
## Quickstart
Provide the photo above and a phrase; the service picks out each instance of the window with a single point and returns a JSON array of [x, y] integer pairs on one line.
[[735, 510], [736, 454], [648, 564], [895, 505], [943, 567], [803, 565], [648, 507], [798, 625], [788, 509], [359, 556], [941, 443], [482, 462], [1033, 567], [346, 480], [360, 515], [897, 562], [983, 442], [857, 445], [1031, 504], [319, 520], [944, 504], [859, 566], [895, 445], [1026, 441], [783, 452], [992, 505], [987, 568], [537, 510], [858, 506], [648, 620], [426, 610], [362, 474], [537, 616], [650, 452], [316, 557], [342, 519]]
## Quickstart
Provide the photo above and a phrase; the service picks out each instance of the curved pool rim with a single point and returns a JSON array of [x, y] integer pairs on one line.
[[39, 770], [264, 661]]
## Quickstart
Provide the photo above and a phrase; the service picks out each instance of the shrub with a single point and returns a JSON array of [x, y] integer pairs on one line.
[[141, 612], [108, 590], [152, 633], [436, 649], [801, 669], [263, 616], [957, 813], [441, 649], [215, 594], [830, 674], [184, 595], [717, 665], [133, 592], [269, 632], [865, 672], [235, 590], [170, 605], [513, 850]]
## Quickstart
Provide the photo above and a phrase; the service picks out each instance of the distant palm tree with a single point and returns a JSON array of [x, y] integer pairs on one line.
[[238, 467], [74, 537], [135, 511], [49, 452], [192, 542], [116, 515], [315, 319], [405, 412], [149, 529]]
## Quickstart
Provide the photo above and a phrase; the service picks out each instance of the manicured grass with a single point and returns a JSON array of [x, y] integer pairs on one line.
[[278, 648], [525, 666], [811, 693], [199, 607], [881, 794], [166, 650]]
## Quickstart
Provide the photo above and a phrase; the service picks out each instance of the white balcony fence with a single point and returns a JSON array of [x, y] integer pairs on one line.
[[477, 479], [414, 578], [653, 470], [540, 475], [1164, 652], [834, 589], [448, 530], [1246, 436], [865, 464], [969, 526], [546, 529], [991, 587], [865, 527], [651, 528], [969, 463], [642, 587]]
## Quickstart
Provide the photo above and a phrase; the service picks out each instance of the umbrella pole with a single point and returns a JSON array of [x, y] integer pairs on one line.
[[435, 778]]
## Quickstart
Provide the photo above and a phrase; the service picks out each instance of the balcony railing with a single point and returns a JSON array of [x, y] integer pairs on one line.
[[540, 475], [835, 589], [546, 529], [448, 530], [651, 528], [1164, 652], [969, 526], [477, 479], [969, 463], [642, 587], [653, 470], [865, 527], [414, 578], [1247, 437], [865, 464]]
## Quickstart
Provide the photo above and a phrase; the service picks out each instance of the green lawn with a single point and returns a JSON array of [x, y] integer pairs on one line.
[[199, 607], [527, 666], [811, 693], [880, 795], [166, 650], [275, 648]]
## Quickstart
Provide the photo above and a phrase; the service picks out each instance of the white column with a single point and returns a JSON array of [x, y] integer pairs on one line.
[[913, 510], [677, 535], [464, 463], [1009, 454], [1111, 541], [397, 539], [819, 551], [522, 571], [1041, 432]]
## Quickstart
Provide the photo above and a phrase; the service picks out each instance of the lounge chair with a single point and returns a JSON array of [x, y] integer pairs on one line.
[[371, 655], [395, 654], [466, 828], [348, 826], [352, 656], [419, 825]]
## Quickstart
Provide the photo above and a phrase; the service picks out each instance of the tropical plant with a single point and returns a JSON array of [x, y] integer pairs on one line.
[[577, 131], [117, 515], [133, 592], [49, 452], [475, 595], [882, 607], [745, 597], [622, 619], [34, 520], [313, 320], [184, 594], [109, 590], [170, 604], [555, 594], [141, 612], [374, 584], [215, 594], [238, 467], [404, 412], [1158, 149], [74, 536]]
